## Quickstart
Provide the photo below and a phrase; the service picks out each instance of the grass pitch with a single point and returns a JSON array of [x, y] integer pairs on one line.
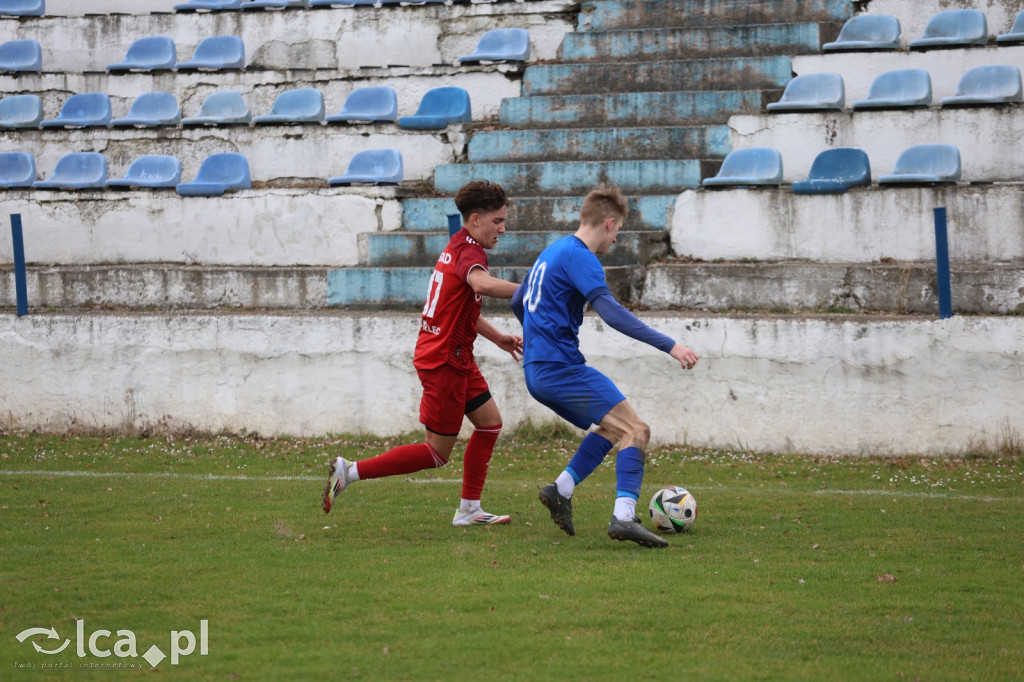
[[797, 567]]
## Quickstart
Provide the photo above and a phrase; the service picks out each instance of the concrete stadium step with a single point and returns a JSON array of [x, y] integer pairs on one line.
[[577, 144], [560, 214], [600, 15], [409, 249], [574, 177], [660, 44], [741, 73], [630, 109]]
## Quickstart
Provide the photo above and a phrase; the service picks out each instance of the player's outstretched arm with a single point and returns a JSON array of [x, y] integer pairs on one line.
[[485, 284], [510, 343], [686, 357], [621, 320]]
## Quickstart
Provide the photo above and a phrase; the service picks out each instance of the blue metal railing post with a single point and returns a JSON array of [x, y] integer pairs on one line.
[[942, 264], [20, 287], [454, 223]]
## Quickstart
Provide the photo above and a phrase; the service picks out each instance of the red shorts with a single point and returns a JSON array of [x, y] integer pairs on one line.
[[448, 396]]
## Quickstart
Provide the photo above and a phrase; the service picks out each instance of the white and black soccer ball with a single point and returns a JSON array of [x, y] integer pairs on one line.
[[673, 509]]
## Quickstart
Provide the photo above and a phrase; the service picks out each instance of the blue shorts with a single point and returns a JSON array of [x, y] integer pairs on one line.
[[577, 393]]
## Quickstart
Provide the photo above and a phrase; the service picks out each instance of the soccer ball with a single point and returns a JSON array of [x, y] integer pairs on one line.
[[673, 509]]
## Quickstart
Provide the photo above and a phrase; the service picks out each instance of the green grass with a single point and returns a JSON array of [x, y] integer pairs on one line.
[[797, 568]]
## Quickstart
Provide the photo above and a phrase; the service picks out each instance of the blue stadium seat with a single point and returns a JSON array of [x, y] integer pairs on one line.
[[953, 28], [867, 32], [376, 103], [79, 170], [155, 53], [812, 92], [275, 4], [754, 166], [903, 88], [438, 108], [21, 56], [225, 107], [373, 166], [83, 110], [1016, 34], [216, 52], [21, 111], [151, 109], [301, 105], [152, 171], [22, 8], [341, 3], [209, 5], [218, 174], [925, 163], [500, 45], [17, 169], [992, 84], [834, 171]]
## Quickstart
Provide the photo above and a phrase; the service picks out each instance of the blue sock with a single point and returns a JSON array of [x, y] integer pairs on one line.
[[629, 472], [589, 455]]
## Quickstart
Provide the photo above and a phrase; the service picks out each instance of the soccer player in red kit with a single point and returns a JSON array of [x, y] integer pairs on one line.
[[453, 386]]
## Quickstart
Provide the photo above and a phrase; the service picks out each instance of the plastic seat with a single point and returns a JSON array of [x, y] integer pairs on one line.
[[17, 169], [301, 105], [153, 171], [151, 109], [22, 8], [155, 53], [754, 166], [218, 174], [80, 170], [1016, 34], [225, 107], [83, 110], [993, 84], [21, 111], [377, 103], [834, 171], [954, 28], [275, 4], [925, 163], [867, 32], [352, 3], [373, 166], [209, 5], [500, 45], [812, 92], [903, 88], [438, 108], [21, 56], [216, 52]]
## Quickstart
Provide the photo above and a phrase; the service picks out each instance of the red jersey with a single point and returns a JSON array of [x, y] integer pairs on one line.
[[448, 327]]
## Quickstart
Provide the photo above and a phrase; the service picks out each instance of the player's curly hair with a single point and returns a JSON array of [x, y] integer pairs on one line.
[[602, 203], [480, 195]]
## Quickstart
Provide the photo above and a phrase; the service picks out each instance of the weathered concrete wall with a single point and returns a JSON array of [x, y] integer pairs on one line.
[[842, 386]]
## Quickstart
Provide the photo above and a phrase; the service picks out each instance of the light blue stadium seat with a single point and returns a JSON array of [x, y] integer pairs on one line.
[[275, 4], [1016, 34], [836, 170], [216, 52], [867, 32], [925, 163], [152, 171], [17, 169], [754, 166], [225, 107], [438, 108], [373, 166], [21, 56], [376, 103], [301, 105], [953, 28], [218, 174], [352, 3], [155, 53], [812, 92], [902, 88], [500, 45], [79, 170], [992, 84], [22, 8], [87, 109], [209, 5], [21, 111], [151, 109]]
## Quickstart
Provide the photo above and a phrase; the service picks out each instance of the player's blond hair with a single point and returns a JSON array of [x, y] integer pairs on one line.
[[602, 203]]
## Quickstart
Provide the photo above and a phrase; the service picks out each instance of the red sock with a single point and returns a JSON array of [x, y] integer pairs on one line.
[[405, 459], [477, 459]]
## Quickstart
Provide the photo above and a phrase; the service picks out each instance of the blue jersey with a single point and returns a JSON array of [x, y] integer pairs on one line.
[[564, 278]]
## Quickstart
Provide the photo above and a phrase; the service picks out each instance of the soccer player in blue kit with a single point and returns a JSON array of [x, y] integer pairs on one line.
[[566, 276]]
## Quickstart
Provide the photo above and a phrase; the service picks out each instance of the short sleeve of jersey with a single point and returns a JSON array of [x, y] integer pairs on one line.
[[586, 274], [468, 255]]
